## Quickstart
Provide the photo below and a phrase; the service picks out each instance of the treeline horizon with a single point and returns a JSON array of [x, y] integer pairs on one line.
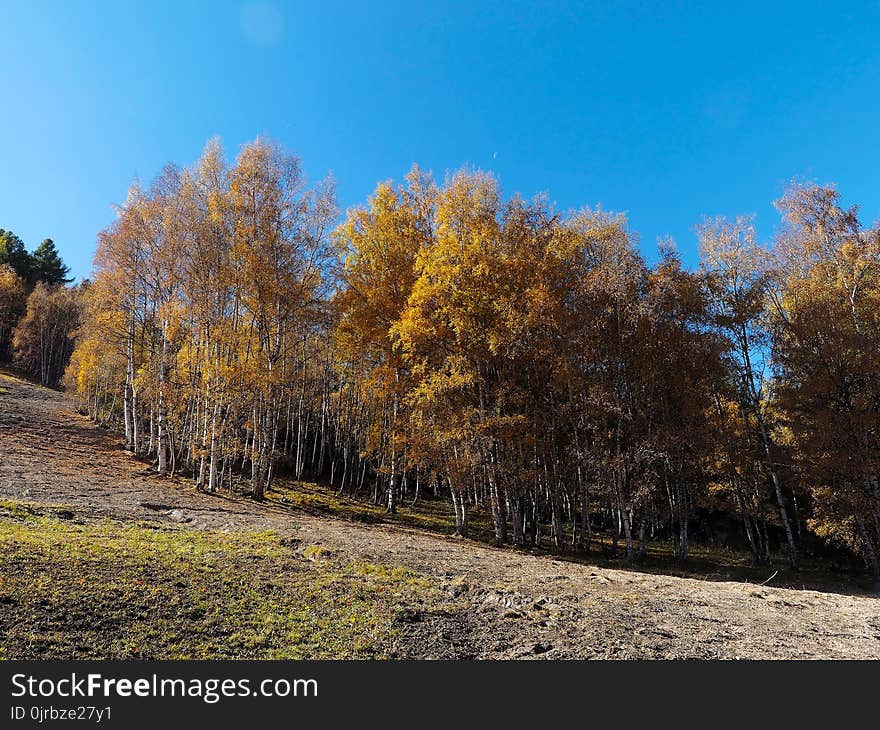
[[519, 361]]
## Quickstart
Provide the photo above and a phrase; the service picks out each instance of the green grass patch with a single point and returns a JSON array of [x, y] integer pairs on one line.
[[116, 589]]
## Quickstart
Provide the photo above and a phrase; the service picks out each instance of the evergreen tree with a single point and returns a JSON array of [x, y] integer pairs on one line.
[[14, 254], [46, 265]]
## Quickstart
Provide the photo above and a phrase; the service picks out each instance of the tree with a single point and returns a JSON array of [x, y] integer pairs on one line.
[[207, 287], [738, 279], [379, 245], [450, 337], [826, 318], [14, 254], [13, 299], [526, 364], [46, 265], [44, 338]]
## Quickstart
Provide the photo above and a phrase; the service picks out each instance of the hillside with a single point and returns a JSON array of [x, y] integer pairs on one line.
[[82, 524]]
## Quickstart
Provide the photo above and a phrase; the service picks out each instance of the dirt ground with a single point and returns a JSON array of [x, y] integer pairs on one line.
[[498, 604]]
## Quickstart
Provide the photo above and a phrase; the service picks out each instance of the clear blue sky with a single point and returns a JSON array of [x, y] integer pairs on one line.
[[667, 110]]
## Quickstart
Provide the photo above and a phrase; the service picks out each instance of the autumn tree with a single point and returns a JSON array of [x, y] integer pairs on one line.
[[526, 364], [826, 317], [453, 340], [207, 284], [43, 339], [737, 279], [379, 245]]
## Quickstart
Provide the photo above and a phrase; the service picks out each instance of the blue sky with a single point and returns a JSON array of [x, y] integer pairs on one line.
[[667, 111]]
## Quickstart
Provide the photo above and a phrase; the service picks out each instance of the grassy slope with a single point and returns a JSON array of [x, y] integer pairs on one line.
[[115, 589]]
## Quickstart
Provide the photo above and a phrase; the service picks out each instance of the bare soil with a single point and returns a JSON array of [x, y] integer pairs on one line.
[[494, 603]]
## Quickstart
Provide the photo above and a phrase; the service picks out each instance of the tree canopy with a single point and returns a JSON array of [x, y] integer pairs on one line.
[[43, 264], [14, 255], [46, 265]]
